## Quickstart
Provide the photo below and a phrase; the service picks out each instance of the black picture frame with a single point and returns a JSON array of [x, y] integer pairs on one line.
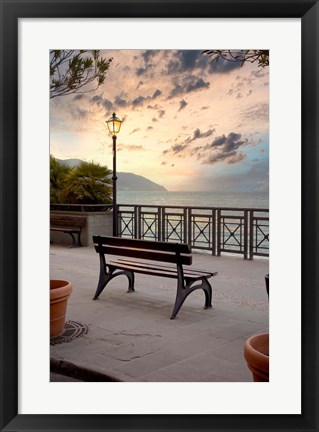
[[11, 11]]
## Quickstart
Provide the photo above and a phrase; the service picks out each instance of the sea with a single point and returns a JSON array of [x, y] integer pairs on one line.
[[258, 200]]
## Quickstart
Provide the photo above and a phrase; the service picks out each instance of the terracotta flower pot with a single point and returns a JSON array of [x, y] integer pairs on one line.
[[60, 291], [256, 353]]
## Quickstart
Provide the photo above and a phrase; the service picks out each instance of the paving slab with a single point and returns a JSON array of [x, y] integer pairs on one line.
[[131, 336]]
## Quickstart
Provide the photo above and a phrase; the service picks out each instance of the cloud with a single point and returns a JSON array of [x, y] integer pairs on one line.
[[188, 84], [256, 112], [181, 147], [97, 99], [182, 104], [134, 130], [230, 158], [198, 134], [140, 71], [196, 84], [108, 105], [118, 101], [126, 147], [165, 164], [138, 101], [222, 66], [100, 101], [78, 97], [184, 60], [156, 94], [79, 113], [177, 90], [141, 100], [148, 55], [244, 84], [238, 86], [223, 149], [153, 107], [147, 58], [189, 61], [134, 147], [259, 73], [176, 149]]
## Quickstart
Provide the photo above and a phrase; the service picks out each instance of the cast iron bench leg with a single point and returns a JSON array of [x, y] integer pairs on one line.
[[208, 293], [106, 276], [72, 236], [79, 239], [183, 291], [74, 242], [131, 279]]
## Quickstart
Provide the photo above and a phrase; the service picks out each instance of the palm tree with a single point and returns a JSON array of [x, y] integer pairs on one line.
[[58, 174], [88, 183]]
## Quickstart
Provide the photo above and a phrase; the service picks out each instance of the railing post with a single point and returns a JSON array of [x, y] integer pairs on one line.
[[251, 234], [245, 234], [218, 231], [214, 232], [139, 221], [135, 234], [190, 237], [163, 224], [185, 225], [159, 224], [119, 222]]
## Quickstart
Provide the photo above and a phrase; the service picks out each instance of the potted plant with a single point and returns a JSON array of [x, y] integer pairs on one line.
[[60, 291], [256, 353]]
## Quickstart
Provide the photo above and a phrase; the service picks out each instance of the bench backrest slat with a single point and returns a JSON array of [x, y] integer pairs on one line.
[[143, 244], [75, 221], [144, 249], [144, 254]]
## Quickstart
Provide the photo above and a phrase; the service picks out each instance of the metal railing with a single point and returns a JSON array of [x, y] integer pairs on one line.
[[243, 231]]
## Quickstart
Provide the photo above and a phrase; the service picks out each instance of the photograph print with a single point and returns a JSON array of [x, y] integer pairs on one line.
[[159, 215]]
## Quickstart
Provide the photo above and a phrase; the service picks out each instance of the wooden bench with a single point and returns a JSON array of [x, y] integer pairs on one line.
[[146, 257], [70, 225]]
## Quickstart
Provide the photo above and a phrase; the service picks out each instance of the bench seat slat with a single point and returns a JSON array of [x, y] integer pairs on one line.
[[169, 267], [144, 254], [147, 271], [164, 271]]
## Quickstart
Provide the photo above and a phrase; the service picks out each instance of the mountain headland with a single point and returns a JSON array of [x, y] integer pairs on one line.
[[125, 181]]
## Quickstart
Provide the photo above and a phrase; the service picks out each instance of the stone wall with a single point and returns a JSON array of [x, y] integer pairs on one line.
[[97, 223]]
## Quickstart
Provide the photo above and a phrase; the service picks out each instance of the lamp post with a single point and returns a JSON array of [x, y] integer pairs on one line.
[[114, 126]]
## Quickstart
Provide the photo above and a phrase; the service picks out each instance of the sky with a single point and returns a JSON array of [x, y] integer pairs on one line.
[[188, 124]]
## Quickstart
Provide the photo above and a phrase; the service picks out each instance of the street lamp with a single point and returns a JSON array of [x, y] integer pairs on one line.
[[114, 126]]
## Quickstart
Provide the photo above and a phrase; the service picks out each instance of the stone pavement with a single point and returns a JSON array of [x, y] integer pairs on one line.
[[131, 336]]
